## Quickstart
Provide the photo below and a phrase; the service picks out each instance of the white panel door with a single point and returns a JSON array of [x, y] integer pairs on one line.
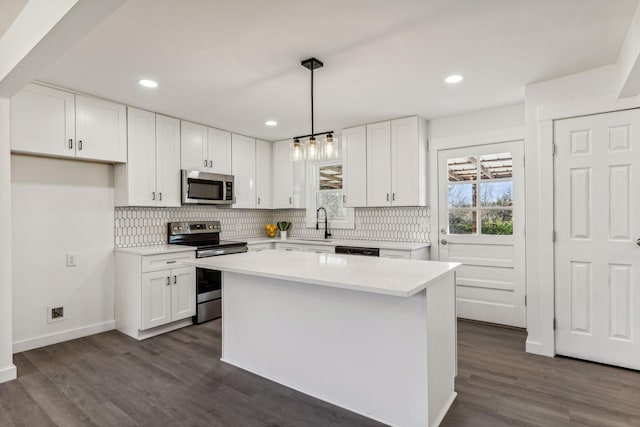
[[167, 161], [481, 225], [183, 293], [243, 160], [101, 129], [379, 164], [354, 148], [597, 208], [408, 184], [194, 147], [282, 175], [141, 163], [264, 199], [156, 298], [43, 121], [219, 151]]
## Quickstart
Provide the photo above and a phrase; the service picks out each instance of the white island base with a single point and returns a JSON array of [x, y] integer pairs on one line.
[[390, 358]]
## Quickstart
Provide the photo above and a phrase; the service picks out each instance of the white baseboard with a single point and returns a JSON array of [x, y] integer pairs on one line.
[[438, 419], [534, 347], [9, 373], [31, 343]]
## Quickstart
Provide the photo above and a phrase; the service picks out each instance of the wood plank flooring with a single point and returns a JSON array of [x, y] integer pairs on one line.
[[110, 379]]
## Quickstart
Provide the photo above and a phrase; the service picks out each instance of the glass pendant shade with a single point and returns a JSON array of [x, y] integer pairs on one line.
[[297, 151], [330, 149], [313, 150]]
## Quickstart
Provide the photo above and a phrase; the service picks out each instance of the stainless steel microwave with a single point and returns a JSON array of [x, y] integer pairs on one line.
[[205, 188]]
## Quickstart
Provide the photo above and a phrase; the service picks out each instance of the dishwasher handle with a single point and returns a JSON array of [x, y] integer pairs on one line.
[[356, 250]]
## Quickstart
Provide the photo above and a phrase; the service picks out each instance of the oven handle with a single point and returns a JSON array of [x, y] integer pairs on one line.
[[223, 251]]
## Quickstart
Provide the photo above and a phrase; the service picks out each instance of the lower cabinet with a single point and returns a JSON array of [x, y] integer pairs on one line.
[[154, 294], [290, 246], [422, 253], [259, 247], [320, 249]]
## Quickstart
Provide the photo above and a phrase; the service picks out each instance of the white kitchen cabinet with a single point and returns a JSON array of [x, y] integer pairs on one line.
[[54, 122], [288, 178], [379, 164], [205, 149], [151, 176], [152, 296], [409, 162], [259, 247], [354, 143], [218, 151], [243, 161], [194, 149], [422, 253], [264, 190]]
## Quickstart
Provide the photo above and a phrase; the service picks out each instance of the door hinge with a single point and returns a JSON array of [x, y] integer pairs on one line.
[[553, 236], [525, 300], [555, 324], [554, 149]]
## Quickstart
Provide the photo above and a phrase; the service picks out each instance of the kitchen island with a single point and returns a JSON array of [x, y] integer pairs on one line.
[[375, 336]]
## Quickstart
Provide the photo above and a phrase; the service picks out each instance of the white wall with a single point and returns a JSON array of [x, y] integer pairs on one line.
[[60, 207], [509, 116], [7, 369], [590, 92]]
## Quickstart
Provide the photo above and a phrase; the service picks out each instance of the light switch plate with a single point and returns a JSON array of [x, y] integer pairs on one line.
[[71, 260]]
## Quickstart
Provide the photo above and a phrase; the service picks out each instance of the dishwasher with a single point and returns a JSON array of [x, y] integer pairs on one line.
[[356, 250]]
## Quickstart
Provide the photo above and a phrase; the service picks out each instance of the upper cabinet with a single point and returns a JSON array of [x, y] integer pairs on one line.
[[151, 176], [288, 178], [53, 122], [354, 146], [386, 163], [243, 167], [205, 149], [264, 190]]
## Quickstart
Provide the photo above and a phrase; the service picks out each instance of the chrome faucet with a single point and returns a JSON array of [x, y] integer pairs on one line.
[[326, 226]]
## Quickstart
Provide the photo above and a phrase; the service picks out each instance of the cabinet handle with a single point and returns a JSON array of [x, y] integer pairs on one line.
[[80, 145], [344, 198], [175, 279], [153, 195], [168, 281], [160, 196], [387, 197], [290, 200], [171, 262], [71, 144], [205, 163], [210, 163], [258, 200], [394, 197]]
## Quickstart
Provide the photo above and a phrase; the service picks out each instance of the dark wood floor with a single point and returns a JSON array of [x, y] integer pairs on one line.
[[177, 379]]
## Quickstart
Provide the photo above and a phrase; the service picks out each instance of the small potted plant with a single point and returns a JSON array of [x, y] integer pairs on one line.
[[283, 226]]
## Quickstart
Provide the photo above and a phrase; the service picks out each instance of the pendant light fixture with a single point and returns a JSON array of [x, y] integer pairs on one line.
[[309, 147]]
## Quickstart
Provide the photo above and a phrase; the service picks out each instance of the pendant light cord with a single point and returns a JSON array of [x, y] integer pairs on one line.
[[312, 130]]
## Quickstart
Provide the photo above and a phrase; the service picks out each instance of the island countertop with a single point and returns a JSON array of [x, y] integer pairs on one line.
[[397, 277]]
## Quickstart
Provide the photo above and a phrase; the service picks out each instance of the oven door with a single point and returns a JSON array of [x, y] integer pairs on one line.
[[206, 188], [208, 284]]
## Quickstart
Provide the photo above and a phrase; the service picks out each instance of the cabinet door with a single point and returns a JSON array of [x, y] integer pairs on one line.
[[183, 293], [395, 253], [282, 175], [264, 199], [101, 129], [408, 160], [193, 147], [156, 298], [219, 152], [243, 161], [43, 121], [354, 143], [167, 164], [141, 163], [379, 164], [299, 185]]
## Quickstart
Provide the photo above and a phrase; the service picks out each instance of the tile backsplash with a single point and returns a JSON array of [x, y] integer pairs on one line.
[[148, 226]]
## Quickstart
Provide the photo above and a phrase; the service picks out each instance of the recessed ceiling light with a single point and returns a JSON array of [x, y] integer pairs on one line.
[[147, 83], [455, 78], [271, 123]]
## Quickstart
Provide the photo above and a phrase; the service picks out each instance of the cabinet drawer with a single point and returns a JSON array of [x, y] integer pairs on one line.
[[164, 261], [257, 247], [320, 249], [395, 253], [289, 246]]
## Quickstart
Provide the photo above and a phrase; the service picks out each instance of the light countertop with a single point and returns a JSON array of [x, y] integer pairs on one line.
[[397, 277], [155, 249], [406, 246]]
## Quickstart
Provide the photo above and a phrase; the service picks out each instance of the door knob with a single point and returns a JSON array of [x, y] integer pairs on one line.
[[638, 242], [443, 241]]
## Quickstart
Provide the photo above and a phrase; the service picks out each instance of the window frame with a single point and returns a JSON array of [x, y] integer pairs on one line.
[[312, 187]]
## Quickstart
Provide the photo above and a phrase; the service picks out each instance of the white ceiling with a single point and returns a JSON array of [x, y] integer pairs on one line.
[[233, 64], [9, 10]]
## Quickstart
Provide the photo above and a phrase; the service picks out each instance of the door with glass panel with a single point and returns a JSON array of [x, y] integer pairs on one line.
[[481, 225]]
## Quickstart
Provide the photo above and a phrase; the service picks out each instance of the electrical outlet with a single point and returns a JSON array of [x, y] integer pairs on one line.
[[55, 313], [71, 260]]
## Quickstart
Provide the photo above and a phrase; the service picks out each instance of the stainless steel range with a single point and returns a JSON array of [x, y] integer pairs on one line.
[[205, 237]]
